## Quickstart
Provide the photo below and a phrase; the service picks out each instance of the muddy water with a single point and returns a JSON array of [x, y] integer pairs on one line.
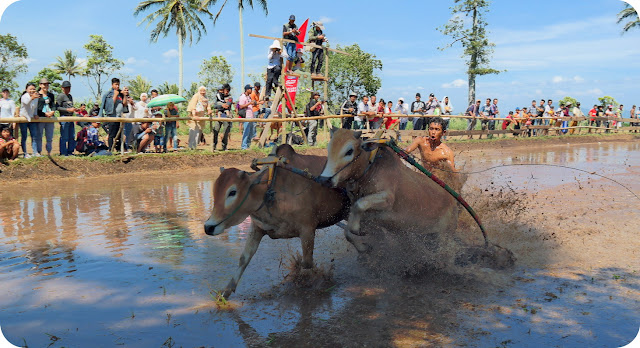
[[124, 261]]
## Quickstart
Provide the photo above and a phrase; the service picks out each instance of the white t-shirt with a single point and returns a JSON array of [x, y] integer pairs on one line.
[[362, 107], [7, 108], [28, 106]]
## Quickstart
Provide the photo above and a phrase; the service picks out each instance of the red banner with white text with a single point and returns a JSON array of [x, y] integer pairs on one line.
[[291, 86]]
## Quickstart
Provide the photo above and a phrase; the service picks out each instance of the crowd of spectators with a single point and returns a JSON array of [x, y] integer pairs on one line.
[[522, 121]]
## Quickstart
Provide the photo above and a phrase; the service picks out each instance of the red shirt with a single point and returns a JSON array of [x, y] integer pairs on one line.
[[593, 114]]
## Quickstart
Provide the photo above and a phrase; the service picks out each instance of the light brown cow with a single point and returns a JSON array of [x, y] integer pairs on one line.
[[293, 206], [387, 195]]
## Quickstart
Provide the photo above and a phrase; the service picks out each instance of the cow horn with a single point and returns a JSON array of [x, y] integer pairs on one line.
[[357, 134], [332, 130], [221, 170]]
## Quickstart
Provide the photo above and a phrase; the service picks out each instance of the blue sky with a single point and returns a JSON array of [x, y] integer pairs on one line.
[[550, 49]]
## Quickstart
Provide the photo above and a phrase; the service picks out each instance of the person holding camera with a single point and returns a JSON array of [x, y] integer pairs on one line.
[[314, 107], [223, 106], [28, 105], [108, 108], [46, 108]]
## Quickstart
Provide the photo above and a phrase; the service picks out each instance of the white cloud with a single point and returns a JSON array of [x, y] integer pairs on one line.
[[457, 83], [578, 79], [26, 60], [325, 20], [223, 53], [561, 79], [557, 79], [170, 54], [594, 91], [130, 60]]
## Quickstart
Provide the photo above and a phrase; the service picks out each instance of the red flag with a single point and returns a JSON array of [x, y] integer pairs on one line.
[[303, 33]]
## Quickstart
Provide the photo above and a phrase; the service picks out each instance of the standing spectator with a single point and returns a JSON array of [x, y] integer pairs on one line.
[[403, 109], [46, 108], [349, 107], [9, 147], [316, 36], [376, 121], [609, 113], [198, 107], [619, 114], [313, 109], [576, 115], [223, 107], [548, 116], [417, 107], [447, 109], [258, 105], [274, 67], [245, 103], [7, 109], [487, 123], [533, 110], [64, 104], [171, 127], [109, 108], [128, 111], [474, 111], [28, 110], [290, 32], [95, 110], [158, 130], [364, 109], [431, 107], [632, 114], [593, 113]]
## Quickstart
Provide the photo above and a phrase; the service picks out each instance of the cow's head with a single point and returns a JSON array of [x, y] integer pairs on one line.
[[347, 158], [233, 200]]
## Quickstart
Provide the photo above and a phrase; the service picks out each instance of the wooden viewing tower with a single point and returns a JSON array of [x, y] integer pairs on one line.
[[283, 94]]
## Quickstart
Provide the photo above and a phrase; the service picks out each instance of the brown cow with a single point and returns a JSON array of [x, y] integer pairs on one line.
[[387, 195], [293, 206]]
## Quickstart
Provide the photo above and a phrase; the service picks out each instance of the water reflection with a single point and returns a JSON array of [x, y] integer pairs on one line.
[[41, 229]]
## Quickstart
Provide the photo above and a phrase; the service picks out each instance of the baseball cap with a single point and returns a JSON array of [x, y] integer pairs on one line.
[[292, 18], [417, 94], [517, 109], [319, 25], [315, 93], [353, 94], [246, 87], [66, 84]]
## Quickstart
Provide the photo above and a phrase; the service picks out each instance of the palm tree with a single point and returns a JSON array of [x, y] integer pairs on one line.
[[630, 14], [138, 86], [68, 64], [167, 88], [241, 3], [180, 15]]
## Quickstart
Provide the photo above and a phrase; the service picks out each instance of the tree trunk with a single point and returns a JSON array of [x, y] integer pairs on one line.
[[241, 53], [473, 62], [180, 43]]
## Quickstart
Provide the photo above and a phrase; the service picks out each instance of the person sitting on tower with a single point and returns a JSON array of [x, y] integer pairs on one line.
[[316, 37]]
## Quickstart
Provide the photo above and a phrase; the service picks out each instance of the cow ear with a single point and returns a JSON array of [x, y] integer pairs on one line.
[[221, 170], [369, 146], [357, 134], [241, 173]]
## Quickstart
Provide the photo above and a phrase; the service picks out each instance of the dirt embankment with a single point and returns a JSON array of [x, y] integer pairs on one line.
[[58, 167]]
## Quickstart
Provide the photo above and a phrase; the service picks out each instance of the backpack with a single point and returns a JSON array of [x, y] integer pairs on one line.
[[81, 140]]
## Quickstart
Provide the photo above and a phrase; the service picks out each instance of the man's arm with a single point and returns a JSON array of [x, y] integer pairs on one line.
[[414, 145]]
